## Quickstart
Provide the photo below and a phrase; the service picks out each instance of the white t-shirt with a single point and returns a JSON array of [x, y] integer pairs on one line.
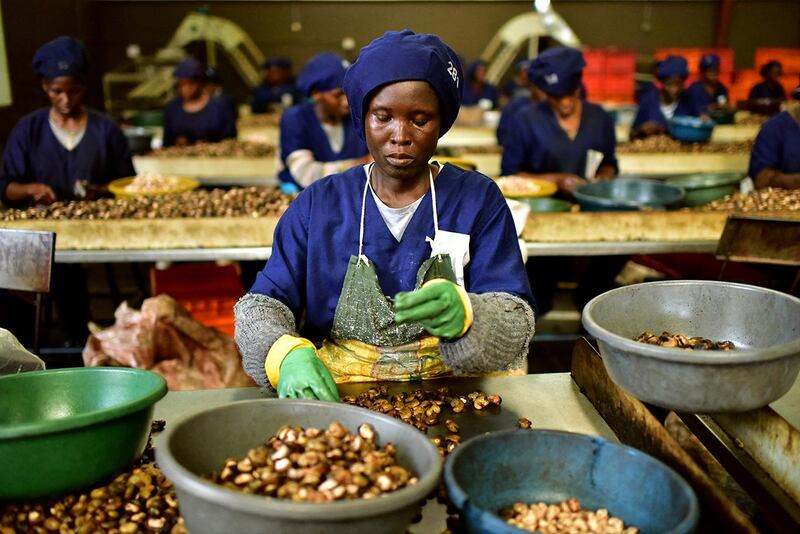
[[396, 219], [69, 139], [669, 109]]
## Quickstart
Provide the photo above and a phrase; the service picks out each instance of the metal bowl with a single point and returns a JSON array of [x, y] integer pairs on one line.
[[691, 129], [624, 194], [200, 443], [139, 139], [547, 205], [704, 188], [492, 471], [762, 323], [67, 429]]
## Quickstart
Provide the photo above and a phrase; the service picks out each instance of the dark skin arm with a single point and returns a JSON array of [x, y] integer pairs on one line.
[[35, 193], [646, 129], [774, 178], [605, 172], [566, 182]]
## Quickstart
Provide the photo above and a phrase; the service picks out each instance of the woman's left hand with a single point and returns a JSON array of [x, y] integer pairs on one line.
[[438, 306]]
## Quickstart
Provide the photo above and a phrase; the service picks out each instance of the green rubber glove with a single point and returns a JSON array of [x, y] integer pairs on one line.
[[304, 376], [437, 306]]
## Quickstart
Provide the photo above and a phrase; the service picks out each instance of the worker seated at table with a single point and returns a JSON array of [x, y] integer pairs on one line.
[[278, 88], [477, 91], [708, 94], [563, 139], [213, 87], [65, 151], [524, 96], [519, 84], [317, 136], [770, 89], [195, 116], [775, 159], [670, 100], [402, 270]]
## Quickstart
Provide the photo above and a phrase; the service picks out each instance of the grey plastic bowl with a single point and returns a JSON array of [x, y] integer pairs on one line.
[[200, 443], [490, 472], [624, 194], [763, 324]]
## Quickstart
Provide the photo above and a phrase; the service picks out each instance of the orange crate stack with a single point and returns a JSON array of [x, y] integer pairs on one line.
[[207, 291], [609, 74]]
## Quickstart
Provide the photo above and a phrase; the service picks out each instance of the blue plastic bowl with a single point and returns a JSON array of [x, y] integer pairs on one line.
[[624, 194], [691, 129], [493, 471]]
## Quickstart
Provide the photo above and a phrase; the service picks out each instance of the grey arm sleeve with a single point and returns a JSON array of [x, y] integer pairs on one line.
[[498, 340], [260, 321]]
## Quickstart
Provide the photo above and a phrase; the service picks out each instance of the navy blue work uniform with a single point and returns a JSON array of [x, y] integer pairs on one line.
[[211, 124], [777, 146]]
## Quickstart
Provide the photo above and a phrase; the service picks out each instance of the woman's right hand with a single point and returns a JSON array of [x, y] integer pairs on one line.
[[35, 193], [304, 376], [567, 183]]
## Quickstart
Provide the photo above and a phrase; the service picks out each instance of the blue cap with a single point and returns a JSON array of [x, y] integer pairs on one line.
[[277, 61], [472, 67], [769, 65], [190, 69], [557, 71], [403, 56], [709, 62], [672, 66], [64, 56], [323, 72]]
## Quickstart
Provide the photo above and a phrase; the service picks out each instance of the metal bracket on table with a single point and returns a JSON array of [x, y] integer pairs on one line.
[[759, 239]]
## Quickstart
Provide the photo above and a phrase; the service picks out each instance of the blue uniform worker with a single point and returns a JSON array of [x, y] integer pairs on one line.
[[775, 159], [317, 137], [770, 88], [403, 270], [278, 87], [477, 91], [657, 107], [708, 94], [66, 151], [195, 116], [552, 139]]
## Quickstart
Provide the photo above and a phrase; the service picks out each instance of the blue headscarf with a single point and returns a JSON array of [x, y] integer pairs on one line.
[[277, 61], [769, 65], [672, 66], [473, 66], [557, 71], [403, 56], [190, 69], [709, 62], [323, 72], [64, 56]]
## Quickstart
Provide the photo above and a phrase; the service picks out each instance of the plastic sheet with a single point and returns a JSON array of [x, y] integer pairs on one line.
[[164, 338]]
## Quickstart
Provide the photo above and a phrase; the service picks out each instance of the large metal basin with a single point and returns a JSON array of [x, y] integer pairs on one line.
[[624, 194], [763, 324], [200, 443]]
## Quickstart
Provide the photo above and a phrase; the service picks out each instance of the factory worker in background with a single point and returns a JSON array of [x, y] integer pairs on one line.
[[195, 116], [213, 87], [770, 89], [477, 91], [65, 151], [775, 160], [562, 139], [670, 100], [401, 269], [708, 94], [317, 136], [278, 88]]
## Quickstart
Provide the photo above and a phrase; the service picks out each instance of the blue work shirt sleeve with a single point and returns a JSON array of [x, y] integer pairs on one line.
[[495, 257], [609, 141], [766, 152], [120, 164], [16, 167], [293, 136], [519, 145], [284, 276]]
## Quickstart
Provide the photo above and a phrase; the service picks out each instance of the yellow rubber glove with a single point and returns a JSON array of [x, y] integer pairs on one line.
[[442, 307]]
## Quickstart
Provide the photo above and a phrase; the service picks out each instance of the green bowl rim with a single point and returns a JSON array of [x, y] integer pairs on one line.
[[582, 197], [566, 204], [695, 181], [85, 419]]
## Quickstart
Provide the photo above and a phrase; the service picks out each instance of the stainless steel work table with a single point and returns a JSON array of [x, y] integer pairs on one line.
[[588, 248], [551, 401]]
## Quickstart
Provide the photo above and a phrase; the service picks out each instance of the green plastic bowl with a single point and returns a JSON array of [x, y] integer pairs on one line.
[[149, 117], [704, 188], [547, 204], [66, 429]]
